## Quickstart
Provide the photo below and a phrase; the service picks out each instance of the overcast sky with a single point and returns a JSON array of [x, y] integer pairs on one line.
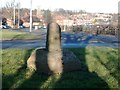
[[105, 6]]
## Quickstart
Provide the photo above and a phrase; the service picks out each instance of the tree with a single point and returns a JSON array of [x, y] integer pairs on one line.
[[47, 16], [20, 22], [4, 21], [7, 10]]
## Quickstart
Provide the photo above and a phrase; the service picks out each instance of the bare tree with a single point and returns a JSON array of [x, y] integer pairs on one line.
[[47, 16], [7, 10]]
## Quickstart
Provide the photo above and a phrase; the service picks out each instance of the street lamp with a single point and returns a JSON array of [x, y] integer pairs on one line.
[[14, 15], [18, 13], [31, 16]]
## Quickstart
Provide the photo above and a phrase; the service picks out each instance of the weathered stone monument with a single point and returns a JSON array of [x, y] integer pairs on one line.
[[53, 59]]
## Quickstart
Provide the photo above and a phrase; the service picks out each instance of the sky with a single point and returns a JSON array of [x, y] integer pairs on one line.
[[103, 6]]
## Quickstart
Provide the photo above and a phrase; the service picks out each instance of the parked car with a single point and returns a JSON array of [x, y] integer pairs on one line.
[[5, 27], [44, 27], [21, 26]]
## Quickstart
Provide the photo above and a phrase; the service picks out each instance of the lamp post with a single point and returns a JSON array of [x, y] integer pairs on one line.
[[14, 15], [30, 15], [18, 14]]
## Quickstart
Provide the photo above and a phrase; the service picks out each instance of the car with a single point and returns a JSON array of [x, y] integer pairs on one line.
[[5, 27], [44, 27], [21, 26]]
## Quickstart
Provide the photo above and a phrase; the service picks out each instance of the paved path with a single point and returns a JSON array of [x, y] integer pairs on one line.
[[69, 40]]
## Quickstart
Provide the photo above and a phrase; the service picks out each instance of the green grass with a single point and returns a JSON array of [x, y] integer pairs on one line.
[[99, 70], [10, 34]]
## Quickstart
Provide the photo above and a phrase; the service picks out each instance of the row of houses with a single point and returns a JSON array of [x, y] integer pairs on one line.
[[84, 19], [68, 20]]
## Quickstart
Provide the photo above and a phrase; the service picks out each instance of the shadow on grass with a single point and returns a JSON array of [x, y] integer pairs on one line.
[[9, 39], [24, 79], [83, 78], [16, 37], [76, 79], [109, 67], [20, 73]]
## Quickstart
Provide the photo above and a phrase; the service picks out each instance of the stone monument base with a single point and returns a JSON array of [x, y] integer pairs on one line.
[[38, 61]]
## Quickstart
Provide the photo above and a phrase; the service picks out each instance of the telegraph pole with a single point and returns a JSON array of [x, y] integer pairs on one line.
[[18, 14], [14, 15], [30, 15]]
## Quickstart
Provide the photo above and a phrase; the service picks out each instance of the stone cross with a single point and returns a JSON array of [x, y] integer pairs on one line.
[[53, 46], [53, 42], [53, 59]]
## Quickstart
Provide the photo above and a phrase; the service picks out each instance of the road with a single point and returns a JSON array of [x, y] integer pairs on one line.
[[69, 40]]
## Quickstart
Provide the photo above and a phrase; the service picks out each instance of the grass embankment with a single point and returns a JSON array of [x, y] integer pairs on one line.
[[13, 35], [99, 70]]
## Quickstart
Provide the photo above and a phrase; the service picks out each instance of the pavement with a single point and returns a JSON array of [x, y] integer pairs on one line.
[[69, 40]]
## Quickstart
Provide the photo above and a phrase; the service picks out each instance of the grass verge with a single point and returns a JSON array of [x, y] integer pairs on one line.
[[99, 70], [10, 34]]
